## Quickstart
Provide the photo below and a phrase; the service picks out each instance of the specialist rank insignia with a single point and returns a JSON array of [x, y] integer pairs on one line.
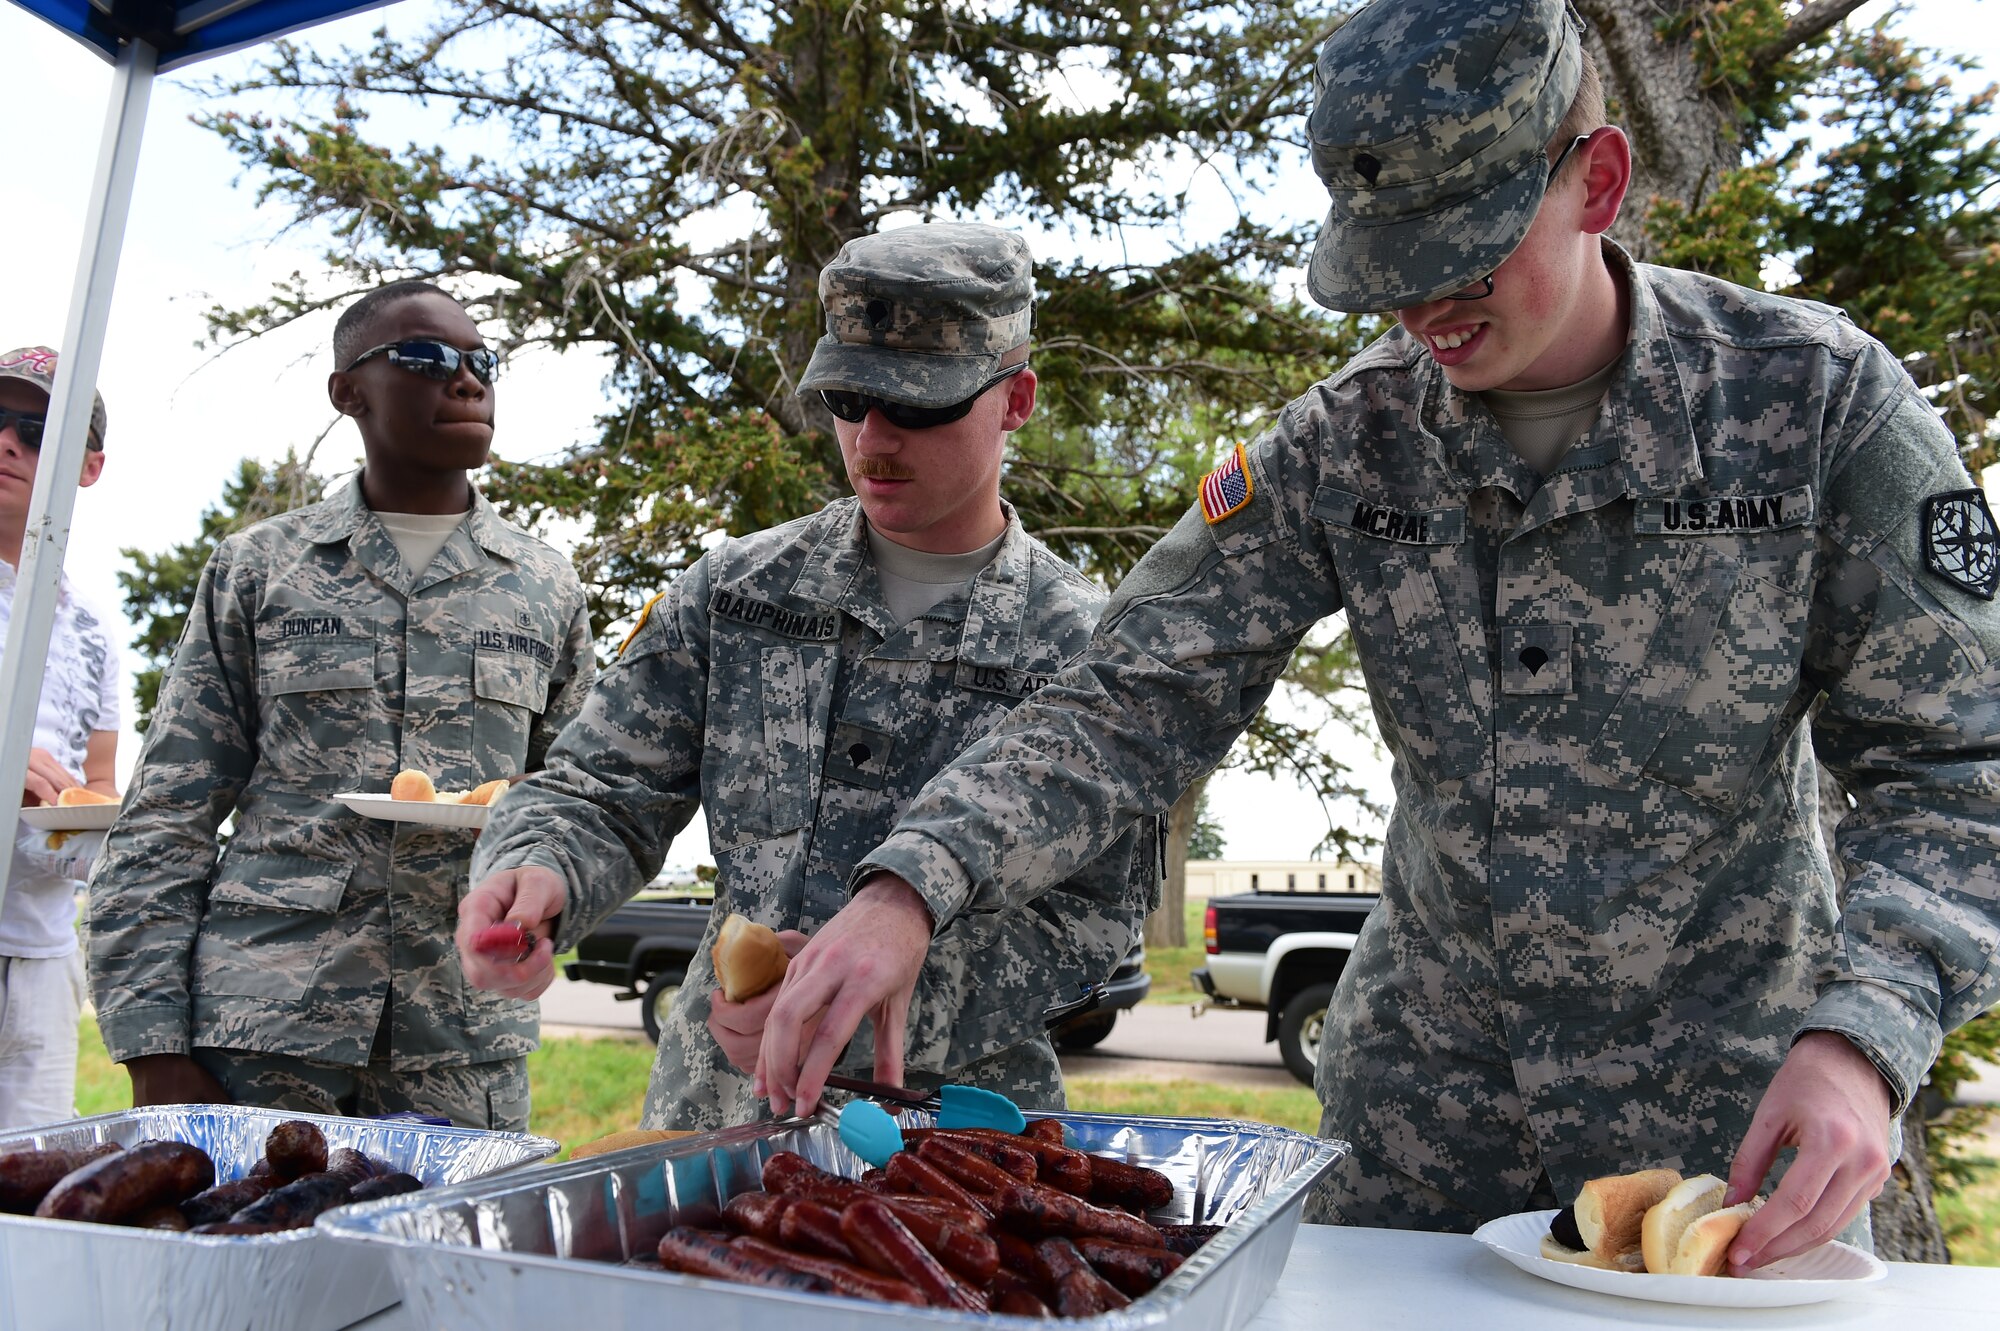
[[1961, 541], [1227, 488]]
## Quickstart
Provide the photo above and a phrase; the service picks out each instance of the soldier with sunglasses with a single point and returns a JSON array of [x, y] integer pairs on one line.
[[798, 686], [307, 963], [1626, 552]]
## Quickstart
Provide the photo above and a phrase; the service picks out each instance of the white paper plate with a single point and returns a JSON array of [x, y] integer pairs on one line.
[[1826, 1272], [415, 811], [70, 818]]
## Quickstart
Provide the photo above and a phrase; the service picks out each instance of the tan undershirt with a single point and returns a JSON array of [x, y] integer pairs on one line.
[[419, 536], [915, 580], [1541, 426]]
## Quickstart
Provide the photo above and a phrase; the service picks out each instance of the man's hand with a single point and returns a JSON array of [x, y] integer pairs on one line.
[[864, 963], [1829, 1102], [532, 897], [739, 1027], [46, 778], [173, 1079]]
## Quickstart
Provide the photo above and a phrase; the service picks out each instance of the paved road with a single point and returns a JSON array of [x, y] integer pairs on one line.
[[1153, 1041]]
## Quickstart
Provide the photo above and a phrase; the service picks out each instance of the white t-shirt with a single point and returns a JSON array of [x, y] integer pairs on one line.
[[79, 696]]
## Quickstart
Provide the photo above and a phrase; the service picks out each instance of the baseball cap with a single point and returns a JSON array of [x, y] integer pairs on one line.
[[37, 366], [1430, 127], [922, 314]]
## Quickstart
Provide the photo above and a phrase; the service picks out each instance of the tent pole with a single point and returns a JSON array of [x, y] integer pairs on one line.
[[37, 583]]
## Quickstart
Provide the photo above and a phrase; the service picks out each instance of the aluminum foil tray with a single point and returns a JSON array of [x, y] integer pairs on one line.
[[545, 1249], [62, 1275]]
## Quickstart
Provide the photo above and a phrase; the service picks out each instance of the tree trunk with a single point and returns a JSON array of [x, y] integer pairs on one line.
[[1904, 1217], [1683, 123], [1682, 137], [1167, 926]]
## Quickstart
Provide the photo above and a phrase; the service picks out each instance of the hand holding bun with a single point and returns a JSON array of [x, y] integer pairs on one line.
[[748, 959], [76, 795], [410, 784]]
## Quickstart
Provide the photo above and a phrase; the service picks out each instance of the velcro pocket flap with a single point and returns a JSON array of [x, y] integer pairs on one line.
[[283, 882]]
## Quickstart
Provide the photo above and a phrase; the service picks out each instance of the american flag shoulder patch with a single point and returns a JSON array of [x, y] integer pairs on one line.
[[1227, 488]]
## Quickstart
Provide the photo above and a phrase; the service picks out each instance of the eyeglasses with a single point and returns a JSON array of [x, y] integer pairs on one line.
[[854, 407], [1483, 287], [28, 426], [435, 360]]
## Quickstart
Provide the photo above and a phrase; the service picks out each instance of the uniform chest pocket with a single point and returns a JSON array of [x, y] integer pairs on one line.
[[318, 709], [269, 922], [1721, 674], [1410, 651], [757, 767], [509, 690]]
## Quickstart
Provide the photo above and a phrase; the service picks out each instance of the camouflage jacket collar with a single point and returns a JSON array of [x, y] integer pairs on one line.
[[840, 572], [1643, 442], [344, 516]]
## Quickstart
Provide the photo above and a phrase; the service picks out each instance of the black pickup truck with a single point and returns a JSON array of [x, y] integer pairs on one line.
[[643, 948], [1283, 952]]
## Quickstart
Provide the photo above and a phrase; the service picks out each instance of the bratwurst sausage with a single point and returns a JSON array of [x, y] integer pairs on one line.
[[112, 1190], [27, 1176]]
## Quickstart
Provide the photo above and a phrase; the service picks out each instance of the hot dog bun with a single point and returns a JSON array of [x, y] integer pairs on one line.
[[485, 793], [748, 959], [410, 784], [618, 1141], [1704, 1246], [76, 795], [1611, 1212], [1688, 1201]]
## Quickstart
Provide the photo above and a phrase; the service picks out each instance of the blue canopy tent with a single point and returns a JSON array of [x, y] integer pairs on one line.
[[140, 38]]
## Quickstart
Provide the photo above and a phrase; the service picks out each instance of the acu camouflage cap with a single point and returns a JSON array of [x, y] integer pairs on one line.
[[1430, 127], [922, 314]]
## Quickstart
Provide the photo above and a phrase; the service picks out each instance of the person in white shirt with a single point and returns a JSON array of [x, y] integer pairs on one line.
[[76, 743]]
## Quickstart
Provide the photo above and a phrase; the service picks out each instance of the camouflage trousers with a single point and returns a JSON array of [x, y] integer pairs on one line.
[[694, 1086], [476, 1095]]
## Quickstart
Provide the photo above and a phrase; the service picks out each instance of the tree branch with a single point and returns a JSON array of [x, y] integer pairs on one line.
[[1807, 25]]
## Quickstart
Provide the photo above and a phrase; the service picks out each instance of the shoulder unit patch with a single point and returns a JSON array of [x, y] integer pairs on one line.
[[1961, 541], [1226, 489]]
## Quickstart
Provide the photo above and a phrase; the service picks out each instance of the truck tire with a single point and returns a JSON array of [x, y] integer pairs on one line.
[[1299, 1027], [1085, 1032], [661, 992]]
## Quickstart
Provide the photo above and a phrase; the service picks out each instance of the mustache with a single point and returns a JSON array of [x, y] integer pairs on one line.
[[882, 469]]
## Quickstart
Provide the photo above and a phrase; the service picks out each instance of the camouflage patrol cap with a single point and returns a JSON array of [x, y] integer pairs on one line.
[[37, 366], [922, 314], [1430, 127]]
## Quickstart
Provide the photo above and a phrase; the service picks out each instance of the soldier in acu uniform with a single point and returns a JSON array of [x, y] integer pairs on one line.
[[1605, 534], [398, 624], [800, 684]]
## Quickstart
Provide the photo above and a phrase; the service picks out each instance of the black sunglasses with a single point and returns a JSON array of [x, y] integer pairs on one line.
[[854, 407], [28, 426], [435, 360]]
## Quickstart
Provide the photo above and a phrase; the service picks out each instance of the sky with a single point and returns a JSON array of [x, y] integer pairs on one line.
[[181, 415]]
